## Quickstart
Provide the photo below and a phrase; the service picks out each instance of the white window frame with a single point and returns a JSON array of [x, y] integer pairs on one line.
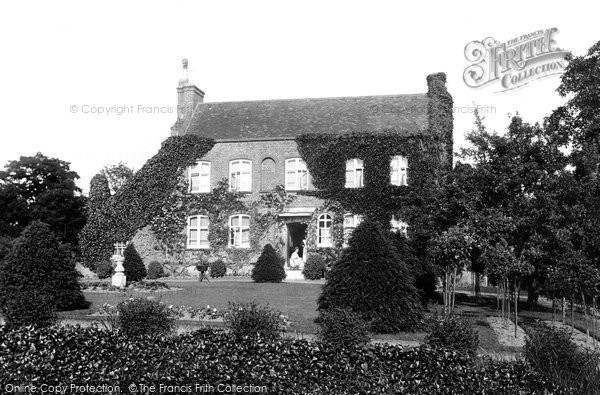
[[200, 243], [243, 180], [201, 170], [399, 170], [351, 221], [293, 178], [236, 232], [324, 233], [355, 173], [119, 248], [399, 226]]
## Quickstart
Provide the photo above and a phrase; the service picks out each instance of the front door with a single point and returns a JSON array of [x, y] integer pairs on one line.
[[296, 239]]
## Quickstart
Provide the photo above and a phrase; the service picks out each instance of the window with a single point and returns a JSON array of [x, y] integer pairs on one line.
[[119, 248], [268, 175], [239, 231], [351, 221], [399, 170], [199, 177], [399, 225], [296, 175], [197, 233], [240, 175], [324, 231], [354, 173]]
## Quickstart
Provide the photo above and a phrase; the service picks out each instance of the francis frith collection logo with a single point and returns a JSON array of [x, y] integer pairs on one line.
[[515, 63]]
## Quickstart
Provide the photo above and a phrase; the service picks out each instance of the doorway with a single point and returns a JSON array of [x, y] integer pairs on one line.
[[296, 238]]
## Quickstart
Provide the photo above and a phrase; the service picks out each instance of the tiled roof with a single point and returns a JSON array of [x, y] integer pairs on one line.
[[272, 119]]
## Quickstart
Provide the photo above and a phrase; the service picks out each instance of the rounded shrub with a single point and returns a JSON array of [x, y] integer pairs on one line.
[[218, 268], [104, 269], [252, 320], [314, 269], [342, 328], [142, 317], [155, 270], [454, 332], [38, 274], [371, 279], [133, 264], [269, 266]]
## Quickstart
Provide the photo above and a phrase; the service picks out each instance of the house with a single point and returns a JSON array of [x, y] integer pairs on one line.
[[256, 150]]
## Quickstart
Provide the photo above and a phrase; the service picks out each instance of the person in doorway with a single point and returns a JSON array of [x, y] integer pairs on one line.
[[295, 260]]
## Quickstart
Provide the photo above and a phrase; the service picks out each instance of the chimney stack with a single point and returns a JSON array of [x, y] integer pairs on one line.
[[188, 96]]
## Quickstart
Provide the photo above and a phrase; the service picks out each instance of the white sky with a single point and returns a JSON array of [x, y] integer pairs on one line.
[[113, 53]]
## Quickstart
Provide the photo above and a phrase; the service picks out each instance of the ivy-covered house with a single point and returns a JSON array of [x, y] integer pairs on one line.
[[296, 173]]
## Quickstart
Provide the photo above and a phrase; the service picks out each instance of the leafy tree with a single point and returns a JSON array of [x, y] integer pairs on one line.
[[133, 264], [269, 266], [41, 188], [370, 279], [117, 175], [37, 271]]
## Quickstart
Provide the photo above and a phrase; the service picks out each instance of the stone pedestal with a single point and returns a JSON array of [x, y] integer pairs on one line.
[[119, 279]]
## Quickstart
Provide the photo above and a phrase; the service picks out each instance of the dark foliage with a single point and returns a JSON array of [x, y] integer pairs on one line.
[[314, 268], [39, 268], [342, 328], [269, 266], [104, 269], [453, 332], [284, 366], [142, 317], [218, 268], [370, 279], [133, 264], [155, 270], [27, 307], [250, 320]]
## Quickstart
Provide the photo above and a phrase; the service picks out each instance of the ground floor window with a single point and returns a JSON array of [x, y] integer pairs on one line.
[[324, 231], [239, 231], [351, 221], [197, 234]]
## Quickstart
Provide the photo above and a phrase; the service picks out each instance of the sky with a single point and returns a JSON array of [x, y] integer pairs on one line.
[[62, 62]]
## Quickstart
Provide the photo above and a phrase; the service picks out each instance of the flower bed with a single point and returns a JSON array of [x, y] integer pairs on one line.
[[101, 286]]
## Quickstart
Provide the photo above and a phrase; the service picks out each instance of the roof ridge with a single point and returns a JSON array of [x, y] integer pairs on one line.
[[315, 98]]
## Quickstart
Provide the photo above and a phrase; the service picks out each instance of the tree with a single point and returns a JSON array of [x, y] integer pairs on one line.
[[38, 270], [41, 188], [370, 279], [117, 175], [133, 264], [269, 266]]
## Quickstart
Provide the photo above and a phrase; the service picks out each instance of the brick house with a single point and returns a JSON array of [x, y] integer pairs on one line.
[[256, 150]]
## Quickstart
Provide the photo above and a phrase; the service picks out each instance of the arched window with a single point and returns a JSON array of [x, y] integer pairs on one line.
[[354, 173], [199, 177], [399, 226], [351, 221], [197, 232], [239, 231], [399, 170], [324, 231], [296, 175], [268, 174], [240, 175]]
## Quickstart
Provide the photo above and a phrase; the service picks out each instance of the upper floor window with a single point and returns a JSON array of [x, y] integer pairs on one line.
[[351, 221], [354, 173], [399, 170], [399, 226], [324, 231], [197, 233], [199, 177], [296, 174], [239, 231], [240, 175], [119, 248]]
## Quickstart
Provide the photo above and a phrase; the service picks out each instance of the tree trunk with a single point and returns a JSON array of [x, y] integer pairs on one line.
[[572, 312], [563, 310], [477, 286], [553, 309], [453, 289], [516, 308], [587, 327], [507, 301]]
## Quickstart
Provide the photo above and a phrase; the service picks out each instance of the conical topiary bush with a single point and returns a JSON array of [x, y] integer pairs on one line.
[[372, 280], [133, 264], [269, 266]]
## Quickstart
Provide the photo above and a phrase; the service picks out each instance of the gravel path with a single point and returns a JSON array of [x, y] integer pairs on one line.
[[505, 331]]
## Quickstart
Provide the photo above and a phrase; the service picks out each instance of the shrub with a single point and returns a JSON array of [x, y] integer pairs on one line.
[[218, 269], [342, 328], [143, 317], [28, 307], [370, 279], [453, 332], [269, 266], [38, 270], [104, 269], [553, 354], [314, 269], [155, 270], [252, 320], [133, 264]]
